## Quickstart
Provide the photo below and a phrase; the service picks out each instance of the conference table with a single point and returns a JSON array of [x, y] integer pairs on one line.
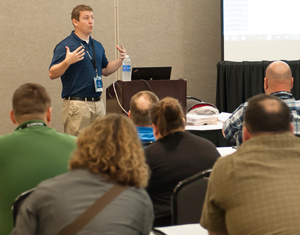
[[190, 229], [212, 133], [224, 151]]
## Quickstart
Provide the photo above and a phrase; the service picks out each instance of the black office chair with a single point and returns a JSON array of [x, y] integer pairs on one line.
[[18, 202], [188, 198]]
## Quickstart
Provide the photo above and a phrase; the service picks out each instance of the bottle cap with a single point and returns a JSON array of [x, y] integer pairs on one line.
[[126, 56]]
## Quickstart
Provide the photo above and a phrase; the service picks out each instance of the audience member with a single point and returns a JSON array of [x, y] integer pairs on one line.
[[256, 189], [175, 156], [109, 152], [278, 82], [139, 113], [33, 152]]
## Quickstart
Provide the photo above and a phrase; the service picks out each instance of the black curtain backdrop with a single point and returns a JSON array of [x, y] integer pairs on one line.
[[238, 81]]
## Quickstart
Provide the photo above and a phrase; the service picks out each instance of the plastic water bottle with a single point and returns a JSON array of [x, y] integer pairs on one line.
[[126, 69]]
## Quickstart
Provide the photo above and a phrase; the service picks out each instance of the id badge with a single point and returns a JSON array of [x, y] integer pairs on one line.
[[98, 84]]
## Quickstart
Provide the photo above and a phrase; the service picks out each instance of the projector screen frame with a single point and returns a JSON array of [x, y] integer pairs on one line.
[[222, 30], [260, 40]]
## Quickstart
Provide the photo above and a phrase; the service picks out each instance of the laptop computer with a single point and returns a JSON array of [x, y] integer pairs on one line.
[[151, 73]]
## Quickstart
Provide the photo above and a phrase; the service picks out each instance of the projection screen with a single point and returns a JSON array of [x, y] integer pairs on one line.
[[255, 30]]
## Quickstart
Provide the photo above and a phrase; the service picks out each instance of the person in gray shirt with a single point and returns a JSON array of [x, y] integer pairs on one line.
[[109, 152]]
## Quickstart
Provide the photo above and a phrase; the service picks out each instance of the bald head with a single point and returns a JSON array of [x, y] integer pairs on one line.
[[140, 105], [278, 77], [267, 114]]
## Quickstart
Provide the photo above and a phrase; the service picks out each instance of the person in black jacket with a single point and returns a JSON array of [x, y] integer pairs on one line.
[[175, 156]]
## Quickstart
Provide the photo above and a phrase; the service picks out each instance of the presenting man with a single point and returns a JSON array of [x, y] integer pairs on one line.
[[256, 190], [80, 61], [33, 152], [278, 82], [139, 112]]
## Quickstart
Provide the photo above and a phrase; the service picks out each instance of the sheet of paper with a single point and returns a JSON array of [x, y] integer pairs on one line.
[[224, 151], [189, 229], [224, 116]]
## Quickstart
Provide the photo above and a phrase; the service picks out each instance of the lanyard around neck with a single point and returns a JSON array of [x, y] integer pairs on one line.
[[26, 125], [93, 60]]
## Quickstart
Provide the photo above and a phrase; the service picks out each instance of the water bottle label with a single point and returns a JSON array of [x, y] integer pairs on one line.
[[126, 68]]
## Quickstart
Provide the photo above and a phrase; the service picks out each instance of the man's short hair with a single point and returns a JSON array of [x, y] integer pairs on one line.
[[267, 113], [76, 11], [140, 110], [30, 98]]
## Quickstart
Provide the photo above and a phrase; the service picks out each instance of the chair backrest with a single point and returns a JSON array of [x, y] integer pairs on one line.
[[18, 202], [145, 144], [188, 198]]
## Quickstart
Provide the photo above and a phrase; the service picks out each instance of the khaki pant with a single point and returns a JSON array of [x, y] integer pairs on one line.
[[76, 115]]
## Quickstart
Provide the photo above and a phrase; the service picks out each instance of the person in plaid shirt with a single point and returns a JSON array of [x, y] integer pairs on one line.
[[278, 82]]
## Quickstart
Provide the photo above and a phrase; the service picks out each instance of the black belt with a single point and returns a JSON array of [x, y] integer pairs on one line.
[[93, 99]]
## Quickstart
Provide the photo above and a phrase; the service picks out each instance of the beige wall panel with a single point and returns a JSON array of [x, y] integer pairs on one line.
[[182, 34], [29, 32]]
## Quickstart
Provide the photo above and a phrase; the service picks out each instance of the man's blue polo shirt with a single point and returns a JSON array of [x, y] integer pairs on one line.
[[78, 80]]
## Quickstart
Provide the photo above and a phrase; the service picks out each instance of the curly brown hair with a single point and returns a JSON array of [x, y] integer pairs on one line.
[[110, 146]]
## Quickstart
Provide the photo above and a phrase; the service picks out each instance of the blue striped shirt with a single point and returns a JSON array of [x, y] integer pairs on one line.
[[233, 127]]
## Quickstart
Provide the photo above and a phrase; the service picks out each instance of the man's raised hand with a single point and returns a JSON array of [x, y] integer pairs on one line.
[[75, 56], [122, 51]]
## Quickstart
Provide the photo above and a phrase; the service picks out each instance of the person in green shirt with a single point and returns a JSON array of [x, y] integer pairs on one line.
[[33, 152]]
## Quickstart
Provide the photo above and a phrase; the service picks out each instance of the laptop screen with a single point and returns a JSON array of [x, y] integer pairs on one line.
[[151, 73]]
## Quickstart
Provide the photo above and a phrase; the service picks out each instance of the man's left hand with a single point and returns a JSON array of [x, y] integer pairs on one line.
[[122, 51]]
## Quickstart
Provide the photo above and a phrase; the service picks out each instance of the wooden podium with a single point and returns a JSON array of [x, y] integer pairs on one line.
[[125, 90]]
